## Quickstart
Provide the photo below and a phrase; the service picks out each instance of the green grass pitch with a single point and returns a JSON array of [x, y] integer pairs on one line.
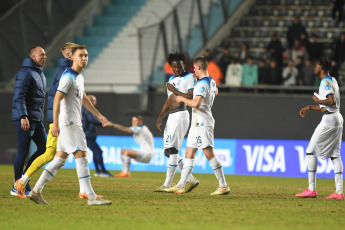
[[254, 203]]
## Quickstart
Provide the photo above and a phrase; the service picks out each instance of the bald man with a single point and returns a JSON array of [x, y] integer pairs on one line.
[[28, 109], [90, 123], [64, 62]]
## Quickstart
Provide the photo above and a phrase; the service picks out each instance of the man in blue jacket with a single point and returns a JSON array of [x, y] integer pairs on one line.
[[64, 63], [27, 110], [90, 123]]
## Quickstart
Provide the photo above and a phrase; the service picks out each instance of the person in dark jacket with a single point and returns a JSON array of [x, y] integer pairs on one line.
[[64, 62], [90, 123], [27, 111], [295, 31]]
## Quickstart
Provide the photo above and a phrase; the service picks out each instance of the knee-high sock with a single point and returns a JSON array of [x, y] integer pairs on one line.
[[338, 174], [38, 163], [126, 161], [171, 170], [312, 167], [218, 171], [186, 172], [48, 173], [180, 168], [84, 177]]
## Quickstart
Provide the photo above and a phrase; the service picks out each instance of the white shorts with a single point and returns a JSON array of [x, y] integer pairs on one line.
[[175, 129], [326, 139], [71, 139], [144, 156], [200, 137]]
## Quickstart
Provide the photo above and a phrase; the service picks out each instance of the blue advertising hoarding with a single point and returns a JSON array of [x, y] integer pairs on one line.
[[284, 158]]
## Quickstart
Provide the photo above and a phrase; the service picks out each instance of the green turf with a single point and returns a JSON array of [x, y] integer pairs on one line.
[[254, 203]]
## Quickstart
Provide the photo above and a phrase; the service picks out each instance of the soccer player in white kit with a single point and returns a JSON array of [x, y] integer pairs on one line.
[[180, 84], [201, 131], [143, 136], [68, 100], [326, 140]]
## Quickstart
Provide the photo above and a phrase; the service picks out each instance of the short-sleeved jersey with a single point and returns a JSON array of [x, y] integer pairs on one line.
[[206, 88], [72, 85], [183, 83], [329, 85], [143, 136]]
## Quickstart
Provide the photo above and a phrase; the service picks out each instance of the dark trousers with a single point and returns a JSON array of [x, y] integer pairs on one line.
[[37, 134], [97, 154]]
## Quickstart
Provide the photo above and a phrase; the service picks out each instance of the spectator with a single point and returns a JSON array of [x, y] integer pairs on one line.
[[295, 31], [168, 71], [315, 49], [274, 74], [207, 54], [263, 72], [290, 74], [224, 60], [250, 73], [275, 49], [304, 41], [308, 73], [233, 73], [297, 51], [339, 50], [243, 54], [337, 5], [215, 72], [299, 66]]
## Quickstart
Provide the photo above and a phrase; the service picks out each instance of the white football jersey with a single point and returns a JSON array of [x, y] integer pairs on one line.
[[206, 88], [72, 85], [143, 137], [183, 83], [329, 85]]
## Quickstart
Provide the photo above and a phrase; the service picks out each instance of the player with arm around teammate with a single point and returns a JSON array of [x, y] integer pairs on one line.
[[180, 84], [143, 136], [67, 122], [326, 139], [202, 127]]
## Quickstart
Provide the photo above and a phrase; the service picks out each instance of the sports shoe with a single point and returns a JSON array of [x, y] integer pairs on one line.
[[14, 192], [20, 189], [176, 190], [99, 201], [37, 197], [307, 194], [335, 196], [106, 174], [162, 188], [191, 185], [123, 174], [97, 173], [84, 196], [221, 191]]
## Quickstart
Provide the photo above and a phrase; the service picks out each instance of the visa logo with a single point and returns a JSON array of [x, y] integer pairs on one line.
[[323, 166], [263, 158]]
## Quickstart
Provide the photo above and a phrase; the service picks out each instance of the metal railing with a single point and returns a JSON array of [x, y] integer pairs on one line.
[[186, 28]]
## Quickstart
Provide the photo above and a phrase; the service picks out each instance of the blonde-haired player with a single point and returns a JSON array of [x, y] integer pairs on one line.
[[68, 101], [201, 132], [64, 63]]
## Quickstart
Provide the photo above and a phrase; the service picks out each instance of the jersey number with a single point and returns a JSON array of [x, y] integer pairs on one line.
[[168, 138], [198, 140]]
